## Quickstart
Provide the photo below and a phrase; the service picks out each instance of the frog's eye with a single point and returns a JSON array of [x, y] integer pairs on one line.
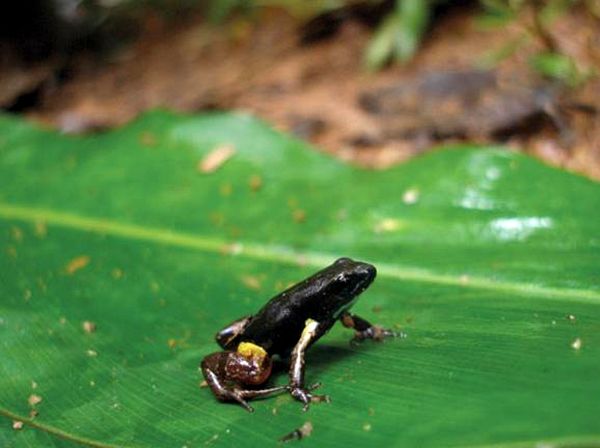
[[341, 278], [343, 260]]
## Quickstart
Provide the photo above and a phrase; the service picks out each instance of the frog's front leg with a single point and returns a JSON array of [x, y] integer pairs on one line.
[[229, 337], [296, 386], [364, 329], [226, 371]]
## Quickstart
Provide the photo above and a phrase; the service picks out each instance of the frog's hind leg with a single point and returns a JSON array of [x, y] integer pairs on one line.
[[220, 388], [364, 329], [229, 336], [296, 387]]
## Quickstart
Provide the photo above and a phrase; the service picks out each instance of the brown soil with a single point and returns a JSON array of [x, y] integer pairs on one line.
[[313, 90]]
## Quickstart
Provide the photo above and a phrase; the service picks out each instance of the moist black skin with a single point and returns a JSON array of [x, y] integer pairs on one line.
[[287, 325]]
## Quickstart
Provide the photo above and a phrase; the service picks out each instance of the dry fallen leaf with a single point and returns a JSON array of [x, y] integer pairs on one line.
[[300, 433], [251, 281], [88, 327], [216, 158], [34, 399], [77, 263]]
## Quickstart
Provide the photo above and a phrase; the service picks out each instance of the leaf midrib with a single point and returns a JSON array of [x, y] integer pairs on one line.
[[590, 440], [277, 253], [58, 432]]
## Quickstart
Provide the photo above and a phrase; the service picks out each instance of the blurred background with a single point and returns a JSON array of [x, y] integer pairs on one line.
[[372, 82]]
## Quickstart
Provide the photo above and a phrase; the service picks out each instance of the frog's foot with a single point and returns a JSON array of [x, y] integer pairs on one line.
[[363, 329], [241, 395], [296, 386], [221, 385], [306, 396], [236, 395], [375, 332]]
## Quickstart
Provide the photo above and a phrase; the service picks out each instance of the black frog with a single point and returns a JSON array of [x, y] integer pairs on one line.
[[286, 326]]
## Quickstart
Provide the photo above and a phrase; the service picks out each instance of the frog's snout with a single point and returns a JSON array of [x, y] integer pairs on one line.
[[367, 272]]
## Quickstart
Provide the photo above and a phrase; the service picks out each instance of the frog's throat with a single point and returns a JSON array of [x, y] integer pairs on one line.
[[251, 351]]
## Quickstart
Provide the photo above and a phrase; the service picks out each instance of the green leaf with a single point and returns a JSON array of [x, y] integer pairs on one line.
[[399, 35], [553, 9], [487, 259], [557, 66], [414, 18], [218, 11], [381, 46], [495, 13]]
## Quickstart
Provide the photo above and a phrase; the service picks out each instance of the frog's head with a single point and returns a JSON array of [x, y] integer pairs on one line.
[[344, 281], [351, 277]]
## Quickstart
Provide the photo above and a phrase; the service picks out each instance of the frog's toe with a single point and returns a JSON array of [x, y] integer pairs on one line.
[[306, 397], [317, 399], [320, 399], [237, 397], [301, 394], [376, 333], [245, 405]]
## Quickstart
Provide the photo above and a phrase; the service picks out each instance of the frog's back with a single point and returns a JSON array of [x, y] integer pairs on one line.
[[279, 324], [322, 297]]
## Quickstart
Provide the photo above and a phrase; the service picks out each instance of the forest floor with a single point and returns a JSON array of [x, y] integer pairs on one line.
[[322, 93]]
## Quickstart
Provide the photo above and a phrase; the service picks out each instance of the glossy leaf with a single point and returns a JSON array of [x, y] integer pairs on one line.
[[488, 261]]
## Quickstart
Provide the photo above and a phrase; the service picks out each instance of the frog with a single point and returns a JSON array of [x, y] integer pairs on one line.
[[284, 328]]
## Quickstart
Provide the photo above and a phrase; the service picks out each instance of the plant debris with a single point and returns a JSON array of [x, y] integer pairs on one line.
[[34, 399], [410, 196], [251, 281], [255, 183], [216, 158], [471, 104], [300, 433], [41, 229], [299, 215], [88, 326], [77, 263]]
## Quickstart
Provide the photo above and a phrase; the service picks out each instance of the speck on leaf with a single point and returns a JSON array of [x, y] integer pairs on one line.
[[34, 399], [216, 158], [304, 431], [77, 263], [88, 326]]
